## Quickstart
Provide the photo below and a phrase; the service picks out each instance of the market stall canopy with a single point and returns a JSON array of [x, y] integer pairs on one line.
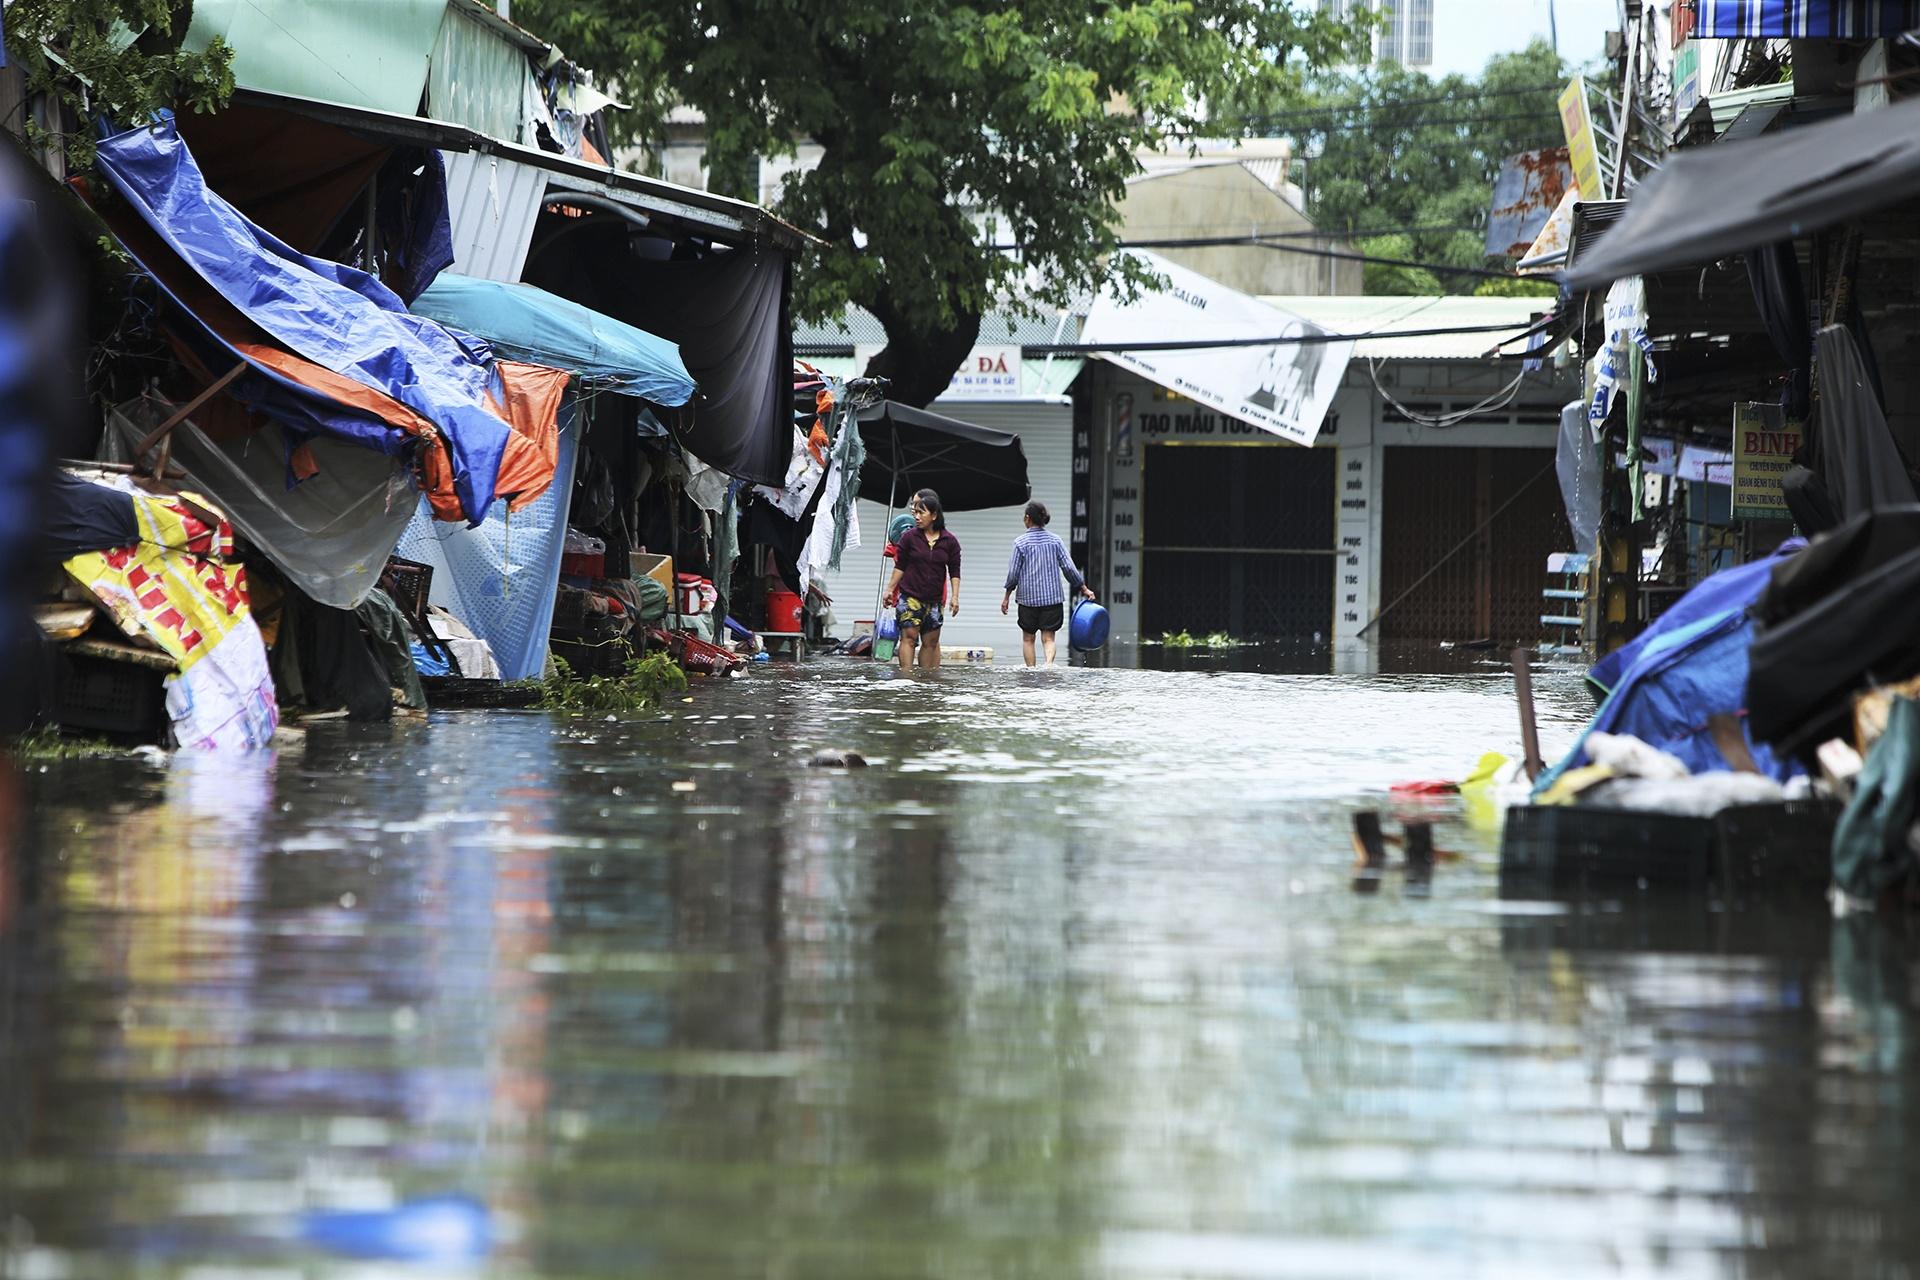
[[1737, 196], [325, 328], [971, 468], [526, 323]]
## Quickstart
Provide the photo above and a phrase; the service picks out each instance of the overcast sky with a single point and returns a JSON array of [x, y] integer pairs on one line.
[[1468, 32]]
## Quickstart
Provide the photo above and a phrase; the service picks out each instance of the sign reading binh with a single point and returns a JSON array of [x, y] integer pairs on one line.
[[1763, 447]]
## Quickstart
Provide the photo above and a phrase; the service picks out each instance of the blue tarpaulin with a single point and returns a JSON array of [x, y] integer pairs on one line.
[[1673, 680], [525, 323], [1804, 19], [499, 578], [336, 316]]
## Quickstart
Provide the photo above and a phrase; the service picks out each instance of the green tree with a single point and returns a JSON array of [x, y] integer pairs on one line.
[[945, 128], [115, 58], [1391, 148]]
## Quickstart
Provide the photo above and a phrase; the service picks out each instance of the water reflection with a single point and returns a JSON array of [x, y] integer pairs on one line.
[[1069, 983]]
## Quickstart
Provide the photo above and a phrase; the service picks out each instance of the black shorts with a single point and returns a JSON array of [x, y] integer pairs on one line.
[[1041, 617]]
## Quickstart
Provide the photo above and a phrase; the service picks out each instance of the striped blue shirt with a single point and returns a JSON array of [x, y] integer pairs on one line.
[[1039, 558]]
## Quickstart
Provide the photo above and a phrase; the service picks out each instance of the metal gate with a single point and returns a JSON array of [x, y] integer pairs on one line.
[[1237, 538], [1435, 498]]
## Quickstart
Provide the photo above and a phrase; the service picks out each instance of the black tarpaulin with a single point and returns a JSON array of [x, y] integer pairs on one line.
[[80, 516], [1838, 616], [1859, 461], [970, 467], [728, 311], [1732, 197]]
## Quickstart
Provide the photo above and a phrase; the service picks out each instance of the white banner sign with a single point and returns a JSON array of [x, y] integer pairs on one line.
[[1285, 388]]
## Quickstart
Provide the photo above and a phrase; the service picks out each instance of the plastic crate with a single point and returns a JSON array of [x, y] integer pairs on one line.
[[1775, 850], [100, 695], [410, 583], [1741, 854], [1552, 849]]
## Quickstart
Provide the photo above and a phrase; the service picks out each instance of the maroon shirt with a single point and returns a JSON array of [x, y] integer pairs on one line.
[[924, 569]]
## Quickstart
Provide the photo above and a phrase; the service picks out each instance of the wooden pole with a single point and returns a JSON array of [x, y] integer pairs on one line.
[[179, 415], [1529, 731]]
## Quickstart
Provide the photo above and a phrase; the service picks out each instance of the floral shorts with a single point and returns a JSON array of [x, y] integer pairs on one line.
[[919, 615]]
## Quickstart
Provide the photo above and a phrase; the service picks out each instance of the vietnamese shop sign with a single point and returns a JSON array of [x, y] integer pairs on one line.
[[1763, 447], [990, 372], [1284, 387]]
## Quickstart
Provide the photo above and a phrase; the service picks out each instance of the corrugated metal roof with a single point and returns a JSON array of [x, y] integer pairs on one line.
[[492, 203], [704, 209], [1386, 315]]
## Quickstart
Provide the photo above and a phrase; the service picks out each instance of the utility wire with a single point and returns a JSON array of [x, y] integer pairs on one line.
[[1296, 340], [1363, 104], [1261, 242], [1228, 123]]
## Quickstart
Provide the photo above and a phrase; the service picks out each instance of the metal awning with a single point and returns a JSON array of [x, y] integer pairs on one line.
[[722, 218], [1736, 196]]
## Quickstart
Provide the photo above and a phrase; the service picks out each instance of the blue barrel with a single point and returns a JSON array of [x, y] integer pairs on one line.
[[1087, 629]]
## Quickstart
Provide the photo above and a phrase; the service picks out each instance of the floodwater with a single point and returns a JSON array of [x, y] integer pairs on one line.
[[1070, 983]]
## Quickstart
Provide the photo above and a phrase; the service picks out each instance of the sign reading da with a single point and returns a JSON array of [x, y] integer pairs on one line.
[[990, 372], [1284, 386], [1763, 447]]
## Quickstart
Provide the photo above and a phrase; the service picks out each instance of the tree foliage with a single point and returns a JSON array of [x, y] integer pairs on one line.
[[115, 59], [1390, 148], [944, 128]]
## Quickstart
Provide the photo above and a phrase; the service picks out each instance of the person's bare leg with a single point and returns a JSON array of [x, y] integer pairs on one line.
[[1046, 639], [909, 638], [930, 651], [1026, 646]]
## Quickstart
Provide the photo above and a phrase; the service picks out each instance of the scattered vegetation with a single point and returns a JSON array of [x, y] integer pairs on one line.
[[646, 683], [39, 746], [1187, 640]]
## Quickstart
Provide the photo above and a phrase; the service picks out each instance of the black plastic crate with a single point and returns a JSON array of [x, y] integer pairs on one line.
[[1776, 850], [1550, 849], [99, 695], [1746, 853]]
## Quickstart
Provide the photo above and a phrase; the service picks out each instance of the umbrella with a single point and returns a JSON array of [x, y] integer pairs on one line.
[[970, 467], [1732, 197]]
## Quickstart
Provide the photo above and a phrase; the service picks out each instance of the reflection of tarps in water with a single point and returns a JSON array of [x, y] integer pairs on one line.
[[1669, 684], [330, 534], [1843, 613]]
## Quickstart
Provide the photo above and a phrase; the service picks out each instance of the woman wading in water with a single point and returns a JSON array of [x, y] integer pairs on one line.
[[928, 558]]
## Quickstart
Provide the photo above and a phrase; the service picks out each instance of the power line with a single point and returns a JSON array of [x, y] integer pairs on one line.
[[1378, 126], [1362, 104], [1296, 340]]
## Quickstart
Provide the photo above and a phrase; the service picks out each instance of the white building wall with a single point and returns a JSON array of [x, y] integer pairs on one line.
[[986, 537]]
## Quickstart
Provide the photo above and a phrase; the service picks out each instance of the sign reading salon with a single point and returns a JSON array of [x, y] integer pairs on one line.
[[1283, 386]]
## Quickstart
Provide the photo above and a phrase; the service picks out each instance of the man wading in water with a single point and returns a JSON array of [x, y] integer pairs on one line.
[[1039, 559], [927, 557]]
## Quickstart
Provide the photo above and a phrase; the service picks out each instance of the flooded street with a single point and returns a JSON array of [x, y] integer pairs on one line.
[[1071, 982]]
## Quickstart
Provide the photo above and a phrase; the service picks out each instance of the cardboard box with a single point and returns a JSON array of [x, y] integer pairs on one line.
[[645, 564]]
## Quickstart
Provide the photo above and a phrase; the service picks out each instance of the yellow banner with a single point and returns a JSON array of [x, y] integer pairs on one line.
[[1578, 126], [173, 586]]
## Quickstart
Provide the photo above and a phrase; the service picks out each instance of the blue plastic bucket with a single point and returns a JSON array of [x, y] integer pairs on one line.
[[1087, 629]]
